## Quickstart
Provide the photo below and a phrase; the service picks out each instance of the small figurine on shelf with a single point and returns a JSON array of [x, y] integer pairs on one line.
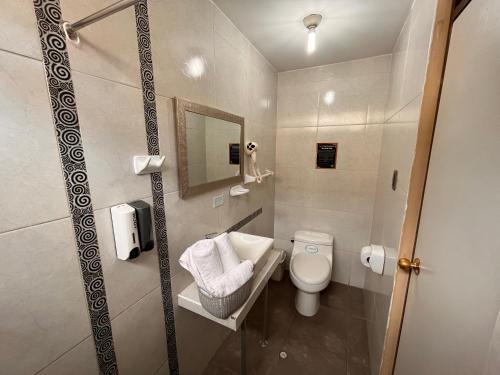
[[251, 150]]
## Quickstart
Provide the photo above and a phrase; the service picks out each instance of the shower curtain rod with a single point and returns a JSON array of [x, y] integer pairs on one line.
[[70, 29]]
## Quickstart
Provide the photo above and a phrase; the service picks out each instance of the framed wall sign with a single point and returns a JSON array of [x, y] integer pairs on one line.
[[326, 155]]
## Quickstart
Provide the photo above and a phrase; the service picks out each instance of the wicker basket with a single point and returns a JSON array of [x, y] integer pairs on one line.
[[222, 307]]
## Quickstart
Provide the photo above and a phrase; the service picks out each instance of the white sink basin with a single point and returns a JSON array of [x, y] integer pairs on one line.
[[254, 248]]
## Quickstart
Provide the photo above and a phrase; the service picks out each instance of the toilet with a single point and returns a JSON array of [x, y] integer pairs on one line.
[[310, 268]]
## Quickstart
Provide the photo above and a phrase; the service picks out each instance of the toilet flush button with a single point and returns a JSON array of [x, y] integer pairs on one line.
[[311, 249]]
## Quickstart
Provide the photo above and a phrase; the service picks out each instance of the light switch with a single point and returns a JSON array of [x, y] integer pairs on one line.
[[218, 200]]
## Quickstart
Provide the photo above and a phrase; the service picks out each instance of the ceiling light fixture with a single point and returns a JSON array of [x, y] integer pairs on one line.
[[311, 22]]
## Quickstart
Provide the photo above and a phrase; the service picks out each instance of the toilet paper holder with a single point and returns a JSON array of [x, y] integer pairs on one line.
[[373, 257]]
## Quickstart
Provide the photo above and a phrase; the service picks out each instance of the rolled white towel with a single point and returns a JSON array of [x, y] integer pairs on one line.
[[227, 254], [187, 262], [202, 259], [232, 280]]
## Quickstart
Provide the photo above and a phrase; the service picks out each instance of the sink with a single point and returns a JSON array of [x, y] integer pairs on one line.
[[254, 248]]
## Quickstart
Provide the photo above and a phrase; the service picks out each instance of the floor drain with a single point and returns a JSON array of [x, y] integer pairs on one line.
[[283, 355]]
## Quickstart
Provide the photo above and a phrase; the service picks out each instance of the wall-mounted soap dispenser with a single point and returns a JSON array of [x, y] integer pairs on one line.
[[132, 229], [143, 214], [126, 231]]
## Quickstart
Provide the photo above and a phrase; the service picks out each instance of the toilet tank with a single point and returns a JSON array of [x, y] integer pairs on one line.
[[313, 243]]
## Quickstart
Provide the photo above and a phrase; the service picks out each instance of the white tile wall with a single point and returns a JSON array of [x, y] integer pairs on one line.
[[262, 90], [358, 145], [237, 79], [298, 108], [163, 370], [197, 339], [28, 149], [108, 49], [109, 101], [409, 63], [106, 73], [350, 231], [168, 143], [231, 75], [41, 291], [80, 360], [358, 274], [126, 282], [112, 126], [139, 336], [341, 266], [19, 33], [182, 33], [341, 103]]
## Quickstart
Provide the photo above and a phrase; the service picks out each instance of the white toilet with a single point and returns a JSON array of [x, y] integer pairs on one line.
[[311, 268]]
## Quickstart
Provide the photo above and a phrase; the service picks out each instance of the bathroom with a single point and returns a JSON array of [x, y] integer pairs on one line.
[[347, 148]]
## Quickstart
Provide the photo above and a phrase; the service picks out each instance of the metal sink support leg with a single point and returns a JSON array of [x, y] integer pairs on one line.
[[243, 348], [243, 333], [265, 327]]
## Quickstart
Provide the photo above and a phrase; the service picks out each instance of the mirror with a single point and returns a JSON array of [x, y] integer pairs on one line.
[[209, 147]]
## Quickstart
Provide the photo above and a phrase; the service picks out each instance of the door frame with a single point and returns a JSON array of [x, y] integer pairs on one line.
[[445, 14]]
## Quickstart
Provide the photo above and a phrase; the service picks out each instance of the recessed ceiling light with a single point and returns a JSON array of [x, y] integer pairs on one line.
[[311, 22]]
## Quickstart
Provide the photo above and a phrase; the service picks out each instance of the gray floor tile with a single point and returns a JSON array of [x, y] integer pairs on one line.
[[357, 348], [332, 342], [337, 296]]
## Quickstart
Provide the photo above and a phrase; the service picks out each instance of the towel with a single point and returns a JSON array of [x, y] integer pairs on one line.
[[202, 259], [227, 254], [232, 280]]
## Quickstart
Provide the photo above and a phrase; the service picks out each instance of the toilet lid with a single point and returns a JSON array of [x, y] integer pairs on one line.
[[311, 268]]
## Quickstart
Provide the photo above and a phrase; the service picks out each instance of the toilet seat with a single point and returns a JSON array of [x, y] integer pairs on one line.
[[313, 270]]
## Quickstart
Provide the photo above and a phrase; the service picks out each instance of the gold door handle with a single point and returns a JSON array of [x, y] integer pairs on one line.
[[407, 265]]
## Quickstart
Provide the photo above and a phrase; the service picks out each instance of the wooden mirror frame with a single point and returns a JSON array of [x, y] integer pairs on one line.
[[180, 108]]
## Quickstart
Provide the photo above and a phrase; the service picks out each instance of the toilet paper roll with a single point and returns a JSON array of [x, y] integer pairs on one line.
[[377, 259], [366, 252]]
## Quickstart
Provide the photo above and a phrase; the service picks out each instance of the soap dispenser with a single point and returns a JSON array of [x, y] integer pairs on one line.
[[126, 231], [143, 214]]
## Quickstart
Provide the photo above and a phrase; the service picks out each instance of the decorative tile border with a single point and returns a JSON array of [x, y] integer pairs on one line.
[[65, 117], [144, 44], [245, 221]]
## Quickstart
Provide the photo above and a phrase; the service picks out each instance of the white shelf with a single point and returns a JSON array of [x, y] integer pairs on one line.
[[238, 190], [189, 299]]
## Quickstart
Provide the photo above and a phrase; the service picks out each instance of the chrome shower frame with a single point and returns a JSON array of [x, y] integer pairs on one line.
[[71, 29]]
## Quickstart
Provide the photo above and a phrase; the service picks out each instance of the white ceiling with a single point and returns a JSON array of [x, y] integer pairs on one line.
[[351, 29]]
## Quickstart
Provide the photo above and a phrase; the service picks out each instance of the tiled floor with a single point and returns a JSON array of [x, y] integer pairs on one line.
[[332, 342]]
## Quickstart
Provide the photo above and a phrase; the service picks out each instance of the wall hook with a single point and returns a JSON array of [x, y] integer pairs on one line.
[[148, 164]]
